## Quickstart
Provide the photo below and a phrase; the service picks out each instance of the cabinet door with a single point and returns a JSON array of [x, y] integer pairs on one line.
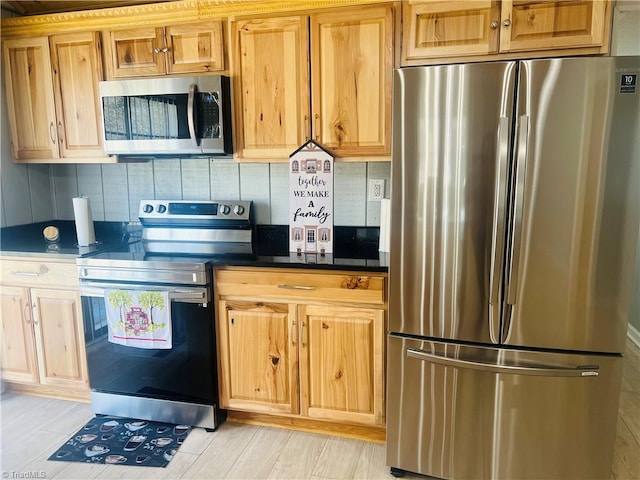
[[258, 356], [77, 69], [196, 47], [59, 338], [30, 100], [271, 72], [341, 363], [136, 52], [18, 344], [448, 29], [351, 67], [538, 25]]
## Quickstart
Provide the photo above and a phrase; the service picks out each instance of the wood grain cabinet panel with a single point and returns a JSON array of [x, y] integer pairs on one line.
[[153, 51], [30, 98], [271, 86], [447, 29], [342, 363], [42, 331], [195, 48], [344, 103], [59, 338], [136, 52], [19, 362], [77, 69], [540, 25], [443, 29], [52, 98], [295, 343], [351, 66], [259, 356]]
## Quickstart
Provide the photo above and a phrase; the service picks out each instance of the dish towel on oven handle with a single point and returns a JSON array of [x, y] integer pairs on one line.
[[140, 319]]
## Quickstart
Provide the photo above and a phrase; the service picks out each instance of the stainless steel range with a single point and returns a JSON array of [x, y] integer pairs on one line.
[[139, 365]]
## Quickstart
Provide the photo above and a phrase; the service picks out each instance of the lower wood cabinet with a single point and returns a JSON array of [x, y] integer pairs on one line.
[[42, 335], [283, 352]]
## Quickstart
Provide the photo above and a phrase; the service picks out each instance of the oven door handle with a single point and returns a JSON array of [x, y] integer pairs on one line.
[[176, 294]]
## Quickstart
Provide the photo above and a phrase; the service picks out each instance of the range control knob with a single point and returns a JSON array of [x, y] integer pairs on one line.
[[162, 208], [225, 209], [148, 208], [238, 209]]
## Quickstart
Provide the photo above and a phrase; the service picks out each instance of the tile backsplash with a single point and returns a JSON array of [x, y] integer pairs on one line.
[[115, 190]]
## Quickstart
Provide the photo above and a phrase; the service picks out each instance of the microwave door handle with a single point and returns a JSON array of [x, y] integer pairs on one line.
[[191, 113]]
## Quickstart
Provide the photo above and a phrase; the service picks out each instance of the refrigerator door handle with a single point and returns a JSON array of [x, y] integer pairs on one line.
[[521, 163], [541, 370], [497, 232]]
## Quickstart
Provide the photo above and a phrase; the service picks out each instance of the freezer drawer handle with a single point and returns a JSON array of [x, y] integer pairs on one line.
[[542, 370]]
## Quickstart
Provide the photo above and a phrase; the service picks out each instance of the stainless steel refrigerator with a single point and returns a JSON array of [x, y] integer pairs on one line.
[[515, 217]]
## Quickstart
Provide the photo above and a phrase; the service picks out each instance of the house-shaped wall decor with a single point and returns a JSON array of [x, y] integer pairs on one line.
[[311, 200]]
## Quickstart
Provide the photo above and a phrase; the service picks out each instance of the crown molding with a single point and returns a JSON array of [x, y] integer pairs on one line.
[[157, 14]]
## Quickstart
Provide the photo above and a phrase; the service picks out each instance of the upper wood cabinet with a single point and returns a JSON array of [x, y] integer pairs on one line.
[[52, 97], [151, 51], [344, 103], [540, 25], [438, 29]]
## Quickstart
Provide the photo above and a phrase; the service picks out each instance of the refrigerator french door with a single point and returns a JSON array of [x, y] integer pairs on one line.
[[514, 228]]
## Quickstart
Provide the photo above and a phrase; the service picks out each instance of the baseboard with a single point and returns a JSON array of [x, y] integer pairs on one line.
[[364, 432], [634, 335], [49, 392]]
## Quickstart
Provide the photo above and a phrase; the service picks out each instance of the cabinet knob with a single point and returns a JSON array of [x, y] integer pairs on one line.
[[165, 49], [156, 50], [494, 25], [52, 132], [507, 22]]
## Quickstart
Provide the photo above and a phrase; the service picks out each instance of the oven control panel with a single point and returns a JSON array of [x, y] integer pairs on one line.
[[179, 211]]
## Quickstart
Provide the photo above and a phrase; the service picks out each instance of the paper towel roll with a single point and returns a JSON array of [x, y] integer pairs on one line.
[[84, 221], [385, 224]]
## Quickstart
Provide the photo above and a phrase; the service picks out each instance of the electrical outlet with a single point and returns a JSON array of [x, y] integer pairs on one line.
[[376, 189]]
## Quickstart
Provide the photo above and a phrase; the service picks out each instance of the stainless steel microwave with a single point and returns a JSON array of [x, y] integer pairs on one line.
[[167, 116]]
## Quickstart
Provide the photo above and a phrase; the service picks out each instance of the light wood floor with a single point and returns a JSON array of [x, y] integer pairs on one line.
[[33, 428]]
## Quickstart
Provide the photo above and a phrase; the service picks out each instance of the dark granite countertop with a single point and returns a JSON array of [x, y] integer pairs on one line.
[[355, 248], [28, 240]]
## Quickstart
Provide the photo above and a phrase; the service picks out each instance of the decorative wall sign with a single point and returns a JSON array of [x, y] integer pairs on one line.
[[311, 200]]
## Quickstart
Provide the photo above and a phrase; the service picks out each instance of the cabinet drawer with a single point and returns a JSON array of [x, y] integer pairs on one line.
[[358, 287], [34, 274]]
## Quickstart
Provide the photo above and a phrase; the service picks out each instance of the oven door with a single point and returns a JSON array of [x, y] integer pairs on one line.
[[184, 373]]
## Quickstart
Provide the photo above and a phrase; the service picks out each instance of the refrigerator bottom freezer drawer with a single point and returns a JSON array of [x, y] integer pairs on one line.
[[464, 412]]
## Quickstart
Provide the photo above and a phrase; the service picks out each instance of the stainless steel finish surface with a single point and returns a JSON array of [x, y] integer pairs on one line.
[[117, 270], [154, 211], [158, 410], [170, 86], [499, 365], [447, 162], [580, 212], [498, 228], [511, 265], [197, 235], [157, 146], [158, 86], [520, 168], [463, 423], [176, 294], [191, 119]]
